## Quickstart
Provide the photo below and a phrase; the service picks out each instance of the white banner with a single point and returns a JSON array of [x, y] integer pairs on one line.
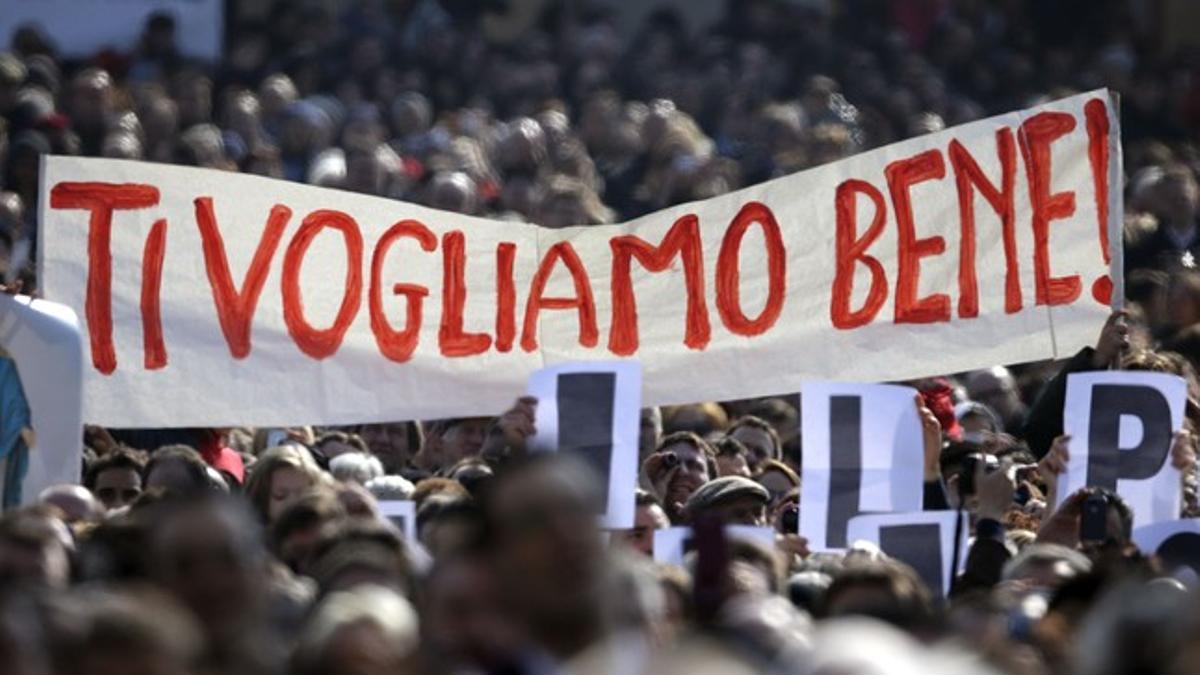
[[215, 298], [82, 28]]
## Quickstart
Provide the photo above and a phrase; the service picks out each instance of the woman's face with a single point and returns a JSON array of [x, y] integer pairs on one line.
[[286, 483], [776, 483]]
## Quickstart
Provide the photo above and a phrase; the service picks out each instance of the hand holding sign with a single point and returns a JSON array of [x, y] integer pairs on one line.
[[1053, 464], [931, 434], [1114, 339], [510, 433]]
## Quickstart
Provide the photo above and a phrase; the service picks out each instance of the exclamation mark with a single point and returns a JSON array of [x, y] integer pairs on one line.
[[1096, 113]]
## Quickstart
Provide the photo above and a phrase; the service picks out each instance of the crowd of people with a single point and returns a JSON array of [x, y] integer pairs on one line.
[[266, 551]]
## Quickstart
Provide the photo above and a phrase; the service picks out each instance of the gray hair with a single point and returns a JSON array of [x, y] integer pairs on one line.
[[379, 606], [1046, 554], [389, 488], [356, 467]]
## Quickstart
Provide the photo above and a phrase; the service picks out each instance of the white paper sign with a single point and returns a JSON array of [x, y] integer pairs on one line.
[[236, 300], [41, 376], [1175, 542], [82, 28], [924, 540], [863, 452], [401, 513], [593, 411], [1121, 425], [672, 544]]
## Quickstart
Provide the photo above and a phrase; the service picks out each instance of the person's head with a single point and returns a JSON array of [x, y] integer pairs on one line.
[[1183, 299], [650, 431], [694, 463], [759, 437], [699, 418], [541, 527], [390, 488], [334, 443], [138, 632], [12, 209], [977, 421], [177, 469], [453, 191], [280, 474], [997, 389], [33, 550], [193, 90], [648, 517], [116, 478], [358, 551], [449, 441], [158, 38], [462, 619], [365, 630], [887, 590], [355, 467], [299, 525], [732, 500], [1177, 196], [395, 443], [447, 525], [778, 478], [473, 473], [1046, 566], [91, 100], [208, 553], [276, 93], [410, 114], [732, 457], [122, 144]]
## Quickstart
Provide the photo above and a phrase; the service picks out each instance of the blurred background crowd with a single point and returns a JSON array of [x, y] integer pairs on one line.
[[264, 551]]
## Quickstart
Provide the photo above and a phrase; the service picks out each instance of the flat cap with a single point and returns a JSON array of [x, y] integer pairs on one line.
[[723, 489]]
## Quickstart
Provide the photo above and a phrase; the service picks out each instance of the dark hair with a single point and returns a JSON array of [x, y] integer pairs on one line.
[[197, 469], [691, 438], [779, 467], [308, 510], [353, 440], [908, 604], [756, 422], [447, 508], [121, 458], [730, 447]]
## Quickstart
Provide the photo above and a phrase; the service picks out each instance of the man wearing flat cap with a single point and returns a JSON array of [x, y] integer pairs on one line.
[[733, 500]]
